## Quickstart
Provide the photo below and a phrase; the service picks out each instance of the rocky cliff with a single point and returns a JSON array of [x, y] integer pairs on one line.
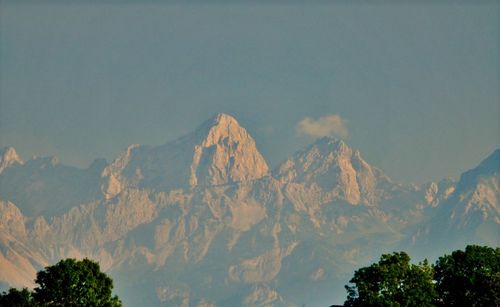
[[202, 221]]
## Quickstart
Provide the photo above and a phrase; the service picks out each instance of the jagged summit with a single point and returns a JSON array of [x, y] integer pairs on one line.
[[334, 167], [225, 153], [217, 127], [221, 125], [222, 120], [158, 213], [329, 145], [471, 213], [8, 157], [218, 152], [478, 189], [318, 158]]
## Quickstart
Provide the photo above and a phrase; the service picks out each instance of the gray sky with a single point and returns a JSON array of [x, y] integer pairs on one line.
[[415, 87]]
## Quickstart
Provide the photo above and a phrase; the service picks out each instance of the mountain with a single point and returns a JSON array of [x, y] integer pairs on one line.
[[9, 157], [470, 215], [43, 186], [219, 152], [331, 166], [202, 221]]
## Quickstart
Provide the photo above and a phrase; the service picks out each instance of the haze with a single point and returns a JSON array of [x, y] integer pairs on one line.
[[414, 87]]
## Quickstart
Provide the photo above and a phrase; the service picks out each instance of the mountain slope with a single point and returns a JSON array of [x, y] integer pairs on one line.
[[219, 152], [333, 167], [471, 214], [43, 186], [201, 221], [9, 157]]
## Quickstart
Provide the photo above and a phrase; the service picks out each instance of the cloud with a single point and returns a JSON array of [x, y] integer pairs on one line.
[[329, 125]]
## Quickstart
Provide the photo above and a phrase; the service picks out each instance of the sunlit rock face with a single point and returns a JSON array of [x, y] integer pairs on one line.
[[219, 152], [202, 221], [469, 214], [336, 170], [8, 157], [226, 154]]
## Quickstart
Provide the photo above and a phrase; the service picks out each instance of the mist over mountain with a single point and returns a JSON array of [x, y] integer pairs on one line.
[[471, 214], [203, 221]]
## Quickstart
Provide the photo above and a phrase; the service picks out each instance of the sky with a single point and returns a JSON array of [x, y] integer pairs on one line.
[[414, 87]]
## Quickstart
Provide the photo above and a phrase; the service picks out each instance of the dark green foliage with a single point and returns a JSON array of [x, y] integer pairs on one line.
[[16, 298], [67, 283], [393, 281], [464, 278], [470, 277], [74, 283]]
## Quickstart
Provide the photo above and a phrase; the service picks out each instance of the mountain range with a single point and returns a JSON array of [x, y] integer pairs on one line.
[[204, 221]]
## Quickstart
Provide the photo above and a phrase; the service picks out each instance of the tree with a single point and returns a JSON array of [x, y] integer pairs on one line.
[[74, 283], [16, 298], [470, 277], [393, 281]]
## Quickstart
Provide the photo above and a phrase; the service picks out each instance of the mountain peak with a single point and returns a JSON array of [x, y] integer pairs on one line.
[[219, 120], [225, 153], [330, 164], [223, 119], [329, 144], [218, 127], [218, 152], [8, 156]]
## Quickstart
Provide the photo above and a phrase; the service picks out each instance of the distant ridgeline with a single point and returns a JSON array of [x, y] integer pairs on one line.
[[204, 221]]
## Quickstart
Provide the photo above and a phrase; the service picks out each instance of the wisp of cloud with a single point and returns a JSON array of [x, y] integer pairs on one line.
[[330, 125]]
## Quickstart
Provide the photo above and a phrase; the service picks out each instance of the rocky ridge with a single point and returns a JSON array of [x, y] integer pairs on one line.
[[8, 157], [219, 152], [202, 221]]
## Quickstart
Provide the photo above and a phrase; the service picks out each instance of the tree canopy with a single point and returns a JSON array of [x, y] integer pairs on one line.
[[470, 277], [393, 281], [464, 278], [16, 298], [67, 283]]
